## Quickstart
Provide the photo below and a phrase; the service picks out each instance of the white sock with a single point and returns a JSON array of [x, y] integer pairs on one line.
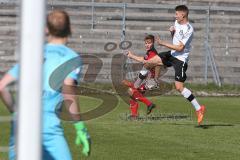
[[196, 104], [144, 71], [139, 80], [189, 96]]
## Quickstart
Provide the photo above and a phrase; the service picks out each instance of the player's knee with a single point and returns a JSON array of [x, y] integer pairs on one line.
[[142, 75], [179, 88], [130, 92]]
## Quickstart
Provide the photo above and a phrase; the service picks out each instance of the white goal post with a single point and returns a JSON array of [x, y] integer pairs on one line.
[[30, 88]]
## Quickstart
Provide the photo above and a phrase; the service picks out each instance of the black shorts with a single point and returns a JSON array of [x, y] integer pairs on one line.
[[179, 66]]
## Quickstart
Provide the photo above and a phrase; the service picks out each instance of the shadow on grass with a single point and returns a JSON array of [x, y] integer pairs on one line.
[[209, 126], [205, 126]]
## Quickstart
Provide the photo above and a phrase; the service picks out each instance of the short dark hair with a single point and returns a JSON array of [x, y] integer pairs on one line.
[[182, 8], [58, 24], [151, 37]]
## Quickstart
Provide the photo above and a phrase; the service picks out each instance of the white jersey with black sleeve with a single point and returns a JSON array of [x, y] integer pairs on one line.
[[183, 33]]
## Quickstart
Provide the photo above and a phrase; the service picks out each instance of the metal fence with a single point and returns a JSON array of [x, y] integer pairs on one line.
[[209, 57]]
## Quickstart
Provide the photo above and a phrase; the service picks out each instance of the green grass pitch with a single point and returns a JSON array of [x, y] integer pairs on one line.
[[170, 133]]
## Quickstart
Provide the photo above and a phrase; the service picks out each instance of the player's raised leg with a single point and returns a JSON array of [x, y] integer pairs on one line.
[[141, 76]]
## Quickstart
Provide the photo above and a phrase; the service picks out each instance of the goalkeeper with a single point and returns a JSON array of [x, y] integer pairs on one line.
[[56, 54]]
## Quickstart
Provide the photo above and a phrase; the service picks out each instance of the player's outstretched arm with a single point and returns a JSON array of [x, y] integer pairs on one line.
[[156, 60], [71, 100], [5, 95], [178, 47], [133, 56]]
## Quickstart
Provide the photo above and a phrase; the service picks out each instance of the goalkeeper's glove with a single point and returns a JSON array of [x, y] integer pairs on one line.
[[82, 137]]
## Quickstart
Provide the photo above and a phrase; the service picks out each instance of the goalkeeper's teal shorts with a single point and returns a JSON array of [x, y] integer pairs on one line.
[[11, 153], [54, 147]]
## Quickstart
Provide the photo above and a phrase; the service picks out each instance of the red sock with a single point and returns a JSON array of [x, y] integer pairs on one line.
[[133, 107], [139, 96]]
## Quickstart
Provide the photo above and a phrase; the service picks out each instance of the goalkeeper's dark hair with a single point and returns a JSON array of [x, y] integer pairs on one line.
[[182, 8], [58, 24], [149, 37]]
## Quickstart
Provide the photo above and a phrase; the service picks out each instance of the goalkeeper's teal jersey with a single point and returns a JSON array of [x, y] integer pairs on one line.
[[60, 62]]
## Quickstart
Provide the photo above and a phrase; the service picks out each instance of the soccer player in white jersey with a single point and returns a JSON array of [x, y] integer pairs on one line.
[[182, 34], [58, 60]]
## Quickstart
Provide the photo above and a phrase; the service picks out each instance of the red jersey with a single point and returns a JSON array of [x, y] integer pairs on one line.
[[150, 54]]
